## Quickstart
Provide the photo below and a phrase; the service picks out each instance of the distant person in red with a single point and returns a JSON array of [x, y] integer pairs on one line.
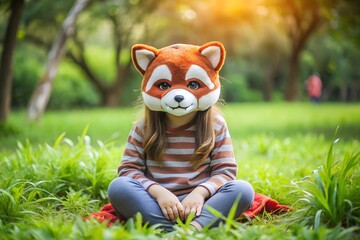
[[313, 86]]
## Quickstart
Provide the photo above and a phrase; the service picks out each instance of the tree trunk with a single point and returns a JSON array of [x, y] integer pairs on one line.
[[269, 79], [41, 95], [305, 19], [291, 93], [110, 96], [354, 91], [344, 87], [16, 7]]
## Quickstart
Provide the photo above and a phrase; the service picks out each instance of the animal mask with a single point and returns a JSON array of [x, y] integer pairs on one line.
[[179, 79]]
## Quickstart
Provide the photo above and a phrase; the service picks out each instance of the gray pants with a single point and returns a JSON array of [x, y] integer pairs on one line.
[[128, 197]]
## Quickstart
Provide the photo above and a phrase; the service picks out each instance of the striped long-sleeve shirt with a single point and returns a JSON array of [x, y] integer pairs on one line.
[[175, 172]]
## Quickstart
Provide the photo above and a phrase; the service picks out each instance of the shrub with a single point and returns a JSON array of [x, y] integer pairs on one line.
[[330, 194], [235, 89], [20, 201], [71, 89], [7, 129], [74, 175], [27, 71]]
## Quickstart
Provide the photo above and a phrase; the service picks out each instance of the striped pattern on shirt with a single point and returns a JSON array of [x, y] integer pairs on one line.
[[175, 173]]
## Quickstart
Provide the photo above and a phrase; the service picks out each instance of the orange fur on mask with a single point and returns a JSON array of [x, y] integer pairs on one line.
[[180, 78]]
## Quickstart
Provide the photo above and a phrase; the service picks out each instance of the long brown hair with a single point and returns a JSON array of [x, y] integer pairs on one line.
[[154, 138]]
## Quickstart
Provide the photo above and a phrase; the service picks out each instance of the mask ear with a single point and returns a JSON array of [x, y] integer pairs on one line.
[[215, 53], [142, 55]]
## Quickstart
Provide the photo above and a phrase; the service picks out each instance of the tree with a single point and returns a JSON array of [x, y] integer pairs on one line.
[[271, 52], [16, 9], [300, 19], [344, 19], [127, 21], [42, 92], [344, 27]]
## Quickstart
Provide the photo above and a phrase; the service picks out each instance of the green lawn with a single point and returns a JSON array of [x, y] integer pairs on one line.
[[49, 182], [280, 119]]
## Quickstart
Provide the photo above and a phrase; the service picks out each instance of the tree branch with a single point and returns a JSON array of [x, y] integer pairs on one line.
[[82, 63], [38, 41]]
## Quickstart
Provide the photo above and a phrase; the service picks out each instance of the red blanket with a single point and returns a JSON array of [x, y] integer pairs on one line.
[[261, 203]]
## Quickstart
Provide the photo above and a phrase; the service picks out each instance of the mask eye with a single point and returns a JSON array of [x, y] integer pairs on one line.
[[164, 86], [193, 85]]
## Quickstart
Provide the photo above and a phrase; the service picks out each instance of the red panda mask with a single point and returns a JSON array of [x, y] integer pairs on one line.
[[179, 79]]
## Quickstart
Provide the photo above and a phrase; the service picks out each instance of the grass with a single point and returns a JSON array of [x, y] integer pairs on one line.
[[57, 171], [280, 120]]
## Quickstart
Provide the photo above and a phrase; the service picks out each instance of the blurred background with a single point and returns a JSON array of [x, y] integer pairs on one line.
[[273, 46]]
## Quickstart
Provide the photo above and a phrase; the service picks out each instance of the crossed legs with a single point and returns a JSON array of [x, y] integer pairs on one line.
[[128, 197]]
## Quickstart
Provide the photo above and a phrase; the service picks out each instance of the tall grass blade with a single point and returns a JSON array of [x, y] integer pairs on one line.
[[11, 198], [350, 163], [58, 140], [231, 215], [85, 131], [317, 220], [319, 182]]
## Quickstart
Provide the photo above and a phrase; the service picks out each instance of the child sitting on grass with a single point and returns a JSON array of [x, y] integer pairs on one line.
[[179, 158]]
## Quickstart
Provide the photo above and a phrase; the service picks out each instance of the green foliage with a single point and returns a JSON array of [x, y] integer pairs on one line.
[[244, 29], [7, 130], [67, 178], [101, 60], [48, 184], [339, 78], [235, 89], [71, 89], [22, 200], [27, 72], [330, 194]]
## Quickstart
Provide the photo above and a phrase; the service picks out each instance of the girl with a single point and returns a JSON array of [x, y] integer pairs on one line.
[[179, 158]]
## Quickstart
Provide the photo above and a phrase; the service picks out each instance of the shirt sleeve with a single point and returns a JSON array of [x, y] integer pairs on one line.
[[223, 165], [133, 161]]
